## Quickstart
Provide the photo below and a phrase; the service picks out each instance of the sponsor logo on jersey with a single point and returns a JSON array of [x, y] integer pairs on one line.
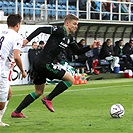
[[54, 28], [64, 43], [18, 43], [68, 41]]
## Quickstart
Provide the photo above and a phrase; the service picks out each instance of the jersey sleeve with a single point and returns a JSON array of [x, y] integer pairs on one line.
[[47, 30], [56, 30], [59, 31], [17, 43], [76, 49]]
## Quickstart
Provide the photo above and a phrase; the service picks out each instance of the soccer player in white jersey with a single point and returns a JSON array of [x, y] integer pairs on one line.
[[10, 46]]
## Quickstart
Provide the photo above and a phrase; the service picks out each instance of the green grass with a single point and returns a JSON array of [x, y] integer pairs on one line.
[[81, 109]]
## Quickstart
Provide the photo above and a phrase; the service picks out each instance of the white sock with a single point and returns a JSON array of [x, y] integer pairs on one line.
[[3, 111]]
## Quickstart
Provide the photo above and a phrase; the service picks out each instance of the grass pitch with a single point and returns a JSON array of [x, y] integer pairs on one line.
[[80, 109]]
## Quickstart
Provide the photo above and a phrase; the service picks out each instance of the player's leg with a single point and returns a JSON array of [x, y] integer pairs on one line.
[[110, 59], [94, 65], [62, 86], [5, 107], [5, 94], [30, 98], [39, 81], [56, 72], [67, 81], [9, 93]]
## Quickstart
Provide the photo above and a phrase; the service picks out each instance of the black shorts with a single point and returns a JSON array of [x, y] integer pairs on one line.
[[50, 71]]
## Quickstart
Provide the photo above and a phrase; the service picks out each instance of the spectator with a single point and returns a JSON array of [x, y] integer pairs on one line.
[[118, 48], [88, 59], [108, 54], [96, 7], [132, 13], [118, 51], [125, 6], [114, 8], [82, 5], [51, 1], [40, 46], [105, 14], [73, 2], [108, 7], [128, 51], [32, 53], [24, 1]]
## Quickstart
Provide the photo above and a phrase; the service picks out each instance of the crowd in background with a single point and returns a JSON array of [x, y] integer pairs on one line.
[[118, 54], [106, 9], [33, 52], [96, 8]]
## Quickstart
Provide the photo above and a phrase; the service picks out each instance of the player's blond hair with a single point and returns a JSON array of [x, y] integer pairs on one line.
[[70, 17]]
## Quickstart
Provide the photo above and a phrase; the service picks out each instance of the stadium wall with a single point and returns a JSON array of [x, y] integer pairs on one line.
[[15, 76]]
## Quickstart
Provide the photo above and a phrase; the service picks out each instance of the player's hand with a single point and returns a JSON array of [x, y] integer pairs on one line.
[[98, 44], [95, 44], [24, 43], [24, 74]]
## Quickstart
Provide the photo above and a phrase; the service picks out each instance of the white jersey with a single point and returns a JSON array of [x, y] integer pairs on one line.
[[9, 40]]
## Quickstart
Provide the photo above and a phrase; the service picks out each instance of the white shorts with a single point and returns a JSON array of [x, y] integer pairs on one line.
[[4, 85]]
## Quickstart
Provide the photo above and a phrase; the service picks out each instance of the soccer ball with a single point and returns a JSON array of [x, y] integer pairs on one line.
[[117, 111]]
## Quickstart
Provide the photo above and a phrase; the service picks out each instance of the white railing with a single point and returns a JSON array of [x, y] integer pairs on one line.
[[46, 11]]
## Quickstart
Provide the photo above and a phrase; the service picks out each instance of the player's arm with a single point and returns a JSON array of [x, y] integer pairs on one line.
[[47, 30], [18, 61], [77, 50]]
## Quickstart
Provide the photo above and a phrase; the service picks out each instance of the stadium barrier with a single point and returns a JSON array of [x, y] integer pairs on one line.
[[46, 10], [15, 76]]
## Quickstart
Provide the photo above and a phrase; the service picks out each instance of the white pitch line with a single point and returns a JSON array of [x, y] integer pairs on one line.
[[75, 90]]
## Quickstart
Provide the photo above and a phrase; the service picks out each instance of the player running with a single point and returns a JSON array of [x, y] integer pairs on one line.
[[60, 38]]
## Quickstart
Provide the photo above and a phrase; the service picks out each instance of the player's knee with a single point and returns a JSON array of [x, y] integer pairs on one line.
[[2, 105], [68, 77], [1, 108], [72, 80]]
